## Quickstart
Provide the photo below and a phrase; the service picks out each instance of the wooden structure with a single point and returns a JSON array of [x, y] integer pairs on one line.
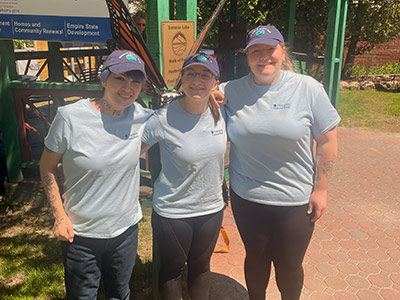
[[16, 93]]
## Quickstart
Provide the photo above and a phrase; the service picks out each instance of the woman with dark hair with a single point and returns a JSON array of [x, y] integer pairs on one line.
[[96, 218], [278, 189], [187, 198]]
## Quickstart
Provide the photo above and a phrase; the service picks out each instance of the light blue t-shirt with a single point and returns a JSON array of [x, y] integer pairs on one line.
[[101, 166], [192, 158], [271, 129]]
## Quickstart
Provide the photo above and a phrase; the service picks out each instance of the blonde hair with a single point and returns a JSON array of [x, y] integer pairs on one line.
[[287, 62]]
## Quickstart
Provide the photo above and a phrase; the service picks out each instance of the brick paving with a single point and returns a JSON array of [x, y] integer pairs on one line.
[[355, 250]]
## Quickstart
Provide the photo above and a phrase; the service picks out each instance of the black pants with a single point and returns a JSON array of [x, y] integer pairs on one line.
[[191, 241], [278, 234]]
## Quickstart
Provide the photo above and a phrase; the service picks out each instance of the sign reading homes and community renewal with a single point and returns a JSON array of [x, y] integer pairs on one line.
[[57, 20]]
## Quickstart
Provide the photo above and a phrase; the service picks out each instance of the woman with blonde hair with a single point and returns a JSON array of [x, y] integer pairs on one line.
[[278, 190]]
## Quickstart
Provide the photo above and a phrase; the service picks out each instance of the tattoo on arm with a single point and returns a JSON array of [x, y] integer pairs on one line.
[[317, 177], [49, 191], [58, 222], [327, 168]]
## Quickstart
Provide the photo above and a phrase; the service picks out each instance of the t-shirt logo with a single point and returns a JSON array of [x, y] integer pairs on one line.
[[281, 106], [131, 136], [217, 132]]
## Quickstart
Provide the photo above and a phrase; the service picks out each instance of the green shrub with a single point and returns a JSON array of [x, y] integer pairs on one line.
[[358, 71], [391, 68]]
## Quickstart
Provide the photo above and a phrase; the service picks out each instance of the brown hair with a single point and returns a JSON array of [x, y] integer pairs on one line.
[[214, 109], [139, 15]]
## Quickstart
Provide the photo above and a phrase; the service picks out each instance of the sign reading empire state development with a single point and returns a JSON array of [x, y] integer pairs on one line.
[[55, 20]]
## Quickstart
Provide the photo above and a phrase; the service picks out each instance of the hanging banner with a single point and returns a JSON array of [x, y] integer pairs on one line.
[[55, 20], [177, 39]]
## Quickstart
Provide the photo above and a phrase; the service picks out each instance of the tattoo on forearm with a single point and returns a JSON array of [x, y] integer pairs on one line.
[[58, 222], [317, 177], [326, 168], [49, 191]]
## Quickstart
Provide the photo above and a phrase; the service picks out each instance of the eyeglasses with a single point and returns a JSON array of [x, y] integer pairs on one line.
[[204, 77]]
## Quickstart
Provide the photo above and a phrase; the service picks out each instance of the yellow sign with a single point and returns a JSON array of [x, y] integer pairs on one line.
[[177, 39]]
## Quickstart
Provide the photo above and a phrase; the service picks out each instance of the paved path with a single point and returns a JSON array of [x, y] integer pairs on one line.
[[355, 250]]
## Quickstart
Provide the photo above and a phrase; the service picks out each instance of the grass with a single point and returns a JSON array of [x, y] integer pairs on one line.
[[30, 257], [370, 108]]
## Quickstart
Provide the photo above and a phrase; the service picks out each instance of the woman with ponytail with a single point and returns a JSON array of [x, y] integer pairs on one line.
[[187, 197]]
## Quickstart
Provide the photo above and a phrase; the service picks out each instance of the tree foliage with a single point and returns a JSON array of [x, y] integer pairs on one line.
[[369, 23]]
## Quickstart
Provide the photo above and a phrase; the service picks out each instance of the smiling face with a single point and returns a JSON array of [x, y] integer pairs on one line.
[[198, 82], [265, 62], [120, 91]]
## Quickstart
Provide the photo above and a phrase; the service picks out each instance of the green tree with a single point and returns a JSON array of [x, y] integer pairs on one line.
[[138, 5], [310, 26], [369, 23]]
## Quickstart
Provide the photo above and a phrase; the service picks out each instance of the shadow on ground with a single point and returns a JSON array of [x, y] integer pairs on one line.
[[226, 288]]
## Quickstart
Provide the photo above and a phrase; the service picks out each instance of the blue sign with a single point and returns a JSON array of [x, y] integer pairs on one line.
[[55, 28]]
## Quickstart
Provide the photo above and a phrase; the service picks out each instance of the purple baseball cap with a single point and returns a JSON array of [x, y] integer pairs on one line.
[[122, 61], [202, 59], [265, 35]]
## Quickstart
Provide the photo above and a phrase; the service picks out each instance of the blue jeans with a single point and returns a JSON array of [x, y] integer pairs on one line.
[[86, 260]]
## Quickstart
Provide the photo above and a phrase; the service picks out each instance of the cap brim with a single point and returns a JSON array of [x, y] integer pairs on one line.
[[269, 42], [200, 64], [118, 69]]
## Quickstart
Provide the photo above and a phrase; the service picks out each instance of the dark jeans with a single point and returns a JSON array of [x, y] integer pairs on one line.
[[86, 260], [190, 240], [278, 234]]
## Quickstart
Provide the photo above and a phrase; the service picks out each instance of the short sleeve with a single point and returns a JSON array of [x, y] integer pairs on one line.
[[325, 116], [153, 132], [58, 135]]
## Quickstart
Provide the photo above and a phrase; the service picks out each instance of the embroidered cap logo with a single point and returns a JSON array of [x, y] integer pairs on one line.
[[131, 57], [201, 58], [260, 32]]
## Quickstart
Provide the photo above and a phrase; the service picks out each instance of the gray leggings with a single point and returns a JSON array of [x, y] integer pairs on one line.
[[191, 241], [273, 234]]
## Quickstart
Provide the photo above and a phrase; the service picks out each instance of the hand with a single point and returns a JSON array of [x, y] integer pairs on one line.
[[218, 97], [318, 203], [63, 229]]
